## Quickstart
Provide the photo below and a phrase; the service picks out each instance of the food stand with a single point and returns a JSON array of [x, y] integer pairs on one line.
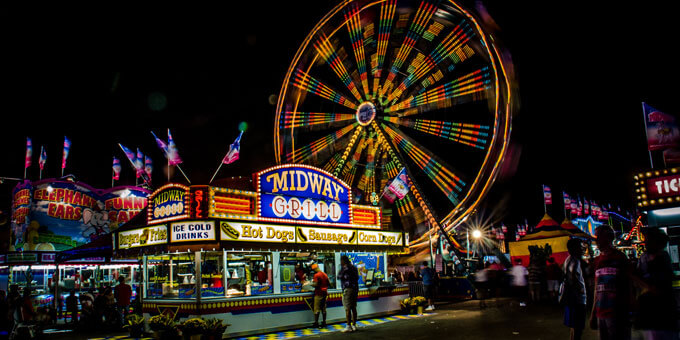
[[244, 256]]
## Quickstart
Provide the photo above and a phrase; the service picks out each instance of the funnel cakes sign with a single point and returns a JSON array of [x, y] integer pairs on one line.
[[299, 192]]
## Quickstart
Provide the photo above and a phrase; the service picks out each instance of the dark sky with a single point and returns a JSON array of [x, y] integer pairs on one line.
[[93, 74]]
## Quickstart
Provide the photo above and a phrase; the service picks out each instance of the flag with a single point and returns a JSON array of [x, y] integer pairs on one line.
[[29, 153], [161, 144], [172, 154], [131, 156], [148, 165], [662, 129], [116, 168], [580, 207], [67, 147], [388, 194], [574, 207], [234, 150], [139, 163], [586, 207], [43, 158], [399, 185], [547, 196], [567, 200]]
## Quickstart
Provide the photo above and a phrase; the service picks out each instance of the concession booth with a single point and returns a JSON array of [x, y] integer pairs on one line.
[[243, 253]]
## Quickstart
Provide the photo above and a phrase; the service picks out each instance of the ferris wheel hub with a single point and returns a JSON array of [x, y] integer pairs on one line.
[[365, 113]]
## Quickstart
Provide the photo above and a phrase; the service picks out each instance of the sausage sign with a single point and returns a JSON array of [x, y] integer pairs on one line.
[[305, 193]]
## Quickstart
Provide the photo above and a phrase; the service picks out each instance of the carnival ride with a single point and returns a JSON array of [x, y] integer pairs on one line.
[[378, 86]]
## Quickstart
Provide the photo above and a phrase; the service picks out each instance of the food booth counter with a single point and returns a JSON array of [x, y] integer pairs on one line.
[[245, 256]]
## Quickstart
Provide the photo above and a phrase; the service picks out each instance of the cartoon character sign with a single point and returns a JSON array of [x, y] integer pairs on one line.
[[63, 214]]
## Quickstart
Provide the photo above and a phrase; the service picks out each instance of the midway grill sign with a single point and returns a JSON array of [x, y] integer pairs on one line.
[[299, 192], [170, 202]]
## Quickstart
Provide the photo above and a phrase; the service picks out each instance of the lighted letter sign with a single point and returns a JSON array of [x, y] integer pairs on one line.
[[143, 237], [235, 231], [169, 203], [380, 238], [326, 236], [300, 192], [192, 231]]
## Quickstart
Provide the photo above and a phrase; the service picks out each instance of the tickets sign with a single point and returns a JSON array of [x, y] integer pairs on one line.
[[326, 236], [235, 231], [192, 231], [143, 237], [169, 203], [380, 238], [300, 192]]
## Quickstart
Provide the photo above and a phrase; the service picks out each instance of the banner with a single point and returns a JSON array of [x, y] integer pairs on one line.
[[29, 153], [60, 215], [547, 196], [399, 185], [662, 129], [67, 148]]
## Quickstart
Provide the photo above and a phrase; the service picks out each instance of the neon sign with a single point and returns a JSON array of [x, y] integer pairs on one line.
[[169, 203], [299, 192]]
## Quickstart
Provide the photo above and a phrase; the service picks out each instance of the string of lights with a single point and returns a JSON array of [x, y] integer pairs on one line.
[[305, 82]]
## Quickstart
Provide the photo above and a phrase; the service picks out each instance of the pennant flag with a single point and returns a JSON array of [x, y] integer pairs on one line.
[[116, 168], [130, 155], [139, 163], [586, 207], [29, 153], [67, 147], [172, 154], [547, 195], [43, 158], [234, 150], [148, 165], [662, 129], [567, 200], [161, 144], [399, 185], [580, 207]]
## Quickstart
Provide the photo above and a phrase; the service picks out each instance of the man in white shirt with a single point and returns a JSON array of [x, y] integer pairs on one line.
[[519, 281]]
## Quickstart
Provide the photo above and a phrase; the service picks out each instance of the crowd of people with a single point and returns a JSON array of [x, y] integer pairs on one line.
[[90, 309], [611, 291]]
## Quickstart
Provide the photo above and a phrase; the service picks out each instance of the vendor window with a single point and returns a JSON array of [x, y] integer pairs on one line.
[[297, 274], [249, 273], [171, 276], [212, 274]]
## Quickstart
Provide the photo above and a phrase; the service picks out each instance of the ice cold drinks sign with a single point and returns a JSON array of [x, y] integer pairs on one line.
[[192, 231], [303, 193]]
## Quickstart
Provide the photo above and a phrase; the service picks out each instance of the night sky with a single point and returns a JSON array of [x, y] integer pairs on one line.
[[104, 76]]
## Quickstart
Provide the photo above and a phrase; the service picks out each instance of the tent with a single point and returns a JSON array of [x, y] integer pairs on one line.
[[547, 231]]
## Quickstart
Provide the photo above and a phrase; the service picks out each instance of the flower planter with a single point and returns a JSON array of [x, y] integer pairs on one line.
[[420, 310]]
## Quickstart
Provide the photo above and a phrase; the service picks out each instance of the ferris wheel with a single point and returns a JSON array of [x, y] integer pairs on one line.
[[380, 86]]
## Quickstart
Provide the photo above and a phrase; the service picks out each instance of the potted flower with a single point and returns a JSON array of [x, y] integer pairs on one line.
[[135, 325], [405, 305], [192, 328], [162, 326], [419, 302], [215, 328]]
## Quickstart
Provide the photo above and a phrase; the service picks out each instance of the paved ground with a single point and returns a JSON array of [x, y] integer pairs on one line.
[[462, 320]]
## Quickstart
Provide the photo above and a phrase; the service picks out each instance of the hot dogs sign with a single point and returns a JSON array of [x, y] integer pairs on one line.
[[303, 193]]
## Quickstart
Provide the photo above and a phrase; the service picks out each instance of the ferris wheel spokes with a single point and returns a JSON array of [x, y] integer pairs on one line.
[[302, 154], [304, 81], [474, 135], [357, 39]]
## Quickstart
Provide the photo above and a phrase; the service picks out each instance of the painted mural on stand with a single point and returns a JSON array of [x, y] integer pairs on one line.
[[56, 214]]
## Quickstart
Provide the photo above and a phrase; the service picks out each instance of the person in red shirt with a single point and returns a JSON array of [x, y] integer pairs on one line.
[[320, 283], [123, 293]]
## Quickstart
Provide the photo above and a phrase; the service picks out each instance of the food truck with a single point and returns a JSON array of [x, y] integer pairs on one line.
[[244, 256]]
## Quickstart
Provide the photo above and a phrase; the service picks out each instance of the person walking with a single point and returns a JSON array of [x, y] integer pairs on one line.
[[429, 277], [320, 283], [612, 296], [349, 279], [573, 294], [519, 282], [123, 293], [72, 306], [657, 314], [536, 277], [482, 282], [553, 276]]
